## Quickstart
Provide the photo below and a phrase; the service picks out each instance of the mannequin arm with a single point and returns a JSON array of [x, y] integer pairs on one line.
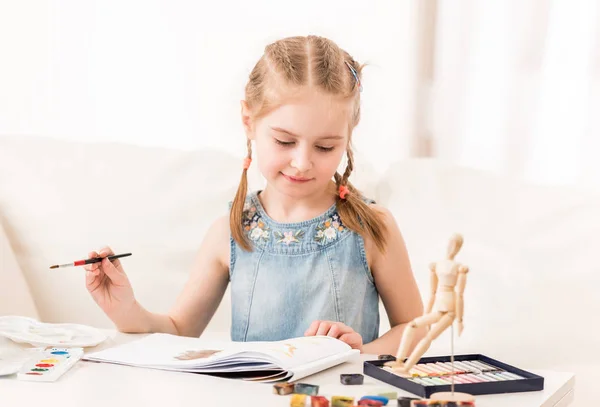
[[433, 288], [460, 289]]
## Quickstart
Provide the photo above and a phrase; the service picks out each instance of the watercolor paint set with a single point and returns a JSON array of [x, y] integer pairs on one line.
[[50, 364], [474, 374]]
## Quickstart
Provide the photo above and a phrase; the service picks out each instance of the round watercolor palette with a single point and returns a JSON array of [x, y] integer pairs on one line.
[[28, 330], [7, 369], [12, 358]]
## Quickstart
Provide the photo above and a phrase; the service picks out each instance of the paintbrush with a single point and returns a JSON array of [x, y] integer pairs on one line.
[[90, 261]]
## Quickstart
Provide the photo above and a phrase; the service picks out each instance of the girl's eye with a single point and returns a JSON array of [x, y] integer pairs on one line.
[[284, 143], [291, 143]]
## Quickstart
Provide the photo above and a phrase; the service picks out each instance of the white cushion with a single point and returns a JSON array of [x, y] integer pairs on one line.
[[65, 199], [15, 297]]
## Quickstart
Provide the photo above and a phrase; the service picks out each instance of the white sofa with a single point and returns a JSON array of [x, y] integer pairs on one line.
[[531, 297]]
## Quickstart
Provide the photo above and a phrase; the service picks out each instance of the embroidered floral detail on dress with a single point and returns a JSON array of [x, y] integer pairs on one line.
[[253, 225], [329, 230], [289, 236]]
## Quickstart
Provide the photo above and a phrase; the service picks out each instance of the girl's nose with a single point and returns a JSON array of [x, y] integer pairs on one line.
[[301, 161]]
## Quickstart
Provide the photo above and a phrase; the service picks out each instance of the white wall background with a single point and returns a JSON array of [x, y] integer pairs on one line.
[[172, 73], [516, 88]]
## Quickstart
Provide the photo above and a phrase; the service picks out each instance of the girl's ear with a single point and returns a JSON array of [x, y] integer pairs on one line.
[[247, 120]]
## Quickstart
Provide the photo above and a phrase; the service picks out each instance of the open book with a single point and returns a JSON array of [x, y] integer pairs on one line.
[[289, 360]]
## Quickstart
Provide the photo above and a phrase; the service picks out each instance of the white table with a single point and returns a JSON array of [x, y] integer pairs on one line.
[[98, 384]]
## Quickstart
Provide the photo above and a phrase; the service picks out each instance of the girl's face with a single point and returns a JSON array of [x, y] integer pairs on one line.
[[300, 145]]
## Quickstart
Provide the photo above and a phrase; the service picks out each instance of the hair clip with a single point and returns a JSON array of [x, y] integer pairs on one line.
[[355, 76], [343, 190], [247, 162]]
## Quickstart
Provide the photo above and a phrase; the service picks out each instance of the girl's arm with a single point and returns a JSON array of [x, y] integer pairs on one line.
[[397, 287], [203, 291]]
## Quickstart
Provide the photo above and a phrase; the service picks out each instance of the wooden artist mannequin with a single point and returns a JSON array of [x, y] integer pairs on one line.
[[448, 280]]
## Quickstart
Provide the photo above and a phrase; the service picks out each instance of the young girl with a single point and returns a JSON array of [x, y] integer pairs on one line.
[[308, 255]]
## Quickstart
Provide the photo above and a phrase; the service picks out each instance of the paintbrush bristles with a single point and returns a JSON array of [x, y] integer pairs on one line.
[[57, 266]]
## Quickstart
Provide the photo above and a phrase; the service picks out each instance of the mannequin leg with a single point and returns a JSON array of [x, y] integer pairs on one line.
[[408, 334], [434, 332]]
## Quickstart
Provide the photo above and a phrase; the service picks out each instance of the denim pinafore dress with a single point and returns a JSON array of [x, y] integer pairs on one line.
[[298, 273]]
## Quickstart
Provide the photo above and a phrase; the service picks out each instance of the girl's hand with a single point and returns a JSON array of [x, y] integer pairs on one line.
[[336, 330], [109, 286]]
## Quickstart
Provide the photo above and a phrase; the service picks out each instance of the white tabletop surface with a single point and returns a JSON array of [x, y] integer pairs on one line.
[[92, 384]]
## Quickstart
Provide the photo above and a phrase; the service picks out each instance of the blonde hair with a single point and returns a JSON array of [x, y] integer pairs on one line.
[[318, 62]]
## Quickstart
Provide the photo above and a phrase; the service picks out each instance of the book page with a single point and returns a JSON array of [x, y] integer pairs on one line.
[[195, 354], [163, 350], [302, 350], [315, 366]]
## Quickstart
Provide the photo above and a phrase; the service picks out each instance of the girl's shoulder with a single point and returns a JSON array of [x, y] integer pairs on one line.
[[218, 235], [392, 234]]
